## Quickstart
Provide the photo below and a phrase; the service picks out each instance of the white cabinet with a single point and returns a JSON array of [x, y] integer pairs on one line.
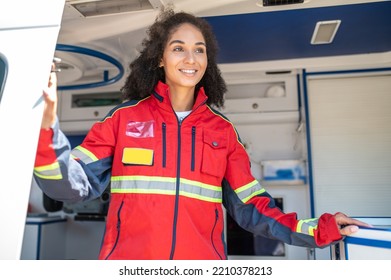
[[366, 244], [272, 94], [44, 238], [87, 106], [58, 238], [84, 239], [78, 110]]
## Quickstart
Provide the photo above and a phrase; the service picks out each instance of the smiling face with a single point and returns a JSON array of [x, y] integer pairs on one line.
[[184, 58]]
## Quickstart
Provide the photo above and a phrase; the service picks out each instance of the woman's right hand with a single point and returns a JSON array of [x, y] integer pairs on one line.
[[50, 98]]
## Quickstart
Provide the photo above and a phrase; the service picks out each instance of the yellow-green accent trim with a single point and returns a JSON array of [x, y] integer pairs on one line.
[[87, 153], [52, 166], [143, 178], [200, 184], [55, 177], [248, 186]]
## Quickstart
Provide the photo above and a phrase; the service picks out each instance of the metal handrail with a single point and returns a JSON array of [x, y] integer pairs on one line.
[[86, 51]]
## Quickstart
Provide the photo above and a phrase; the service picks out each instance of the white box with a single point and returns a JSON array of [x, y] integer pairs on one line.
[[283, 172], [366, 244]]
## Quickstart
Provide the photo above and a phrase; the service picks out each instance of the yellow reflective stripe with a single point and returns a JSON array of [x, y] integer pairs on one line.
[[50, 171], [200, 197], [140, 184], [143, 178], [248, 191], [87, 153], [49, 177], [141, 191], [201, 185], [52, 166], [167, 186], [307, 226]]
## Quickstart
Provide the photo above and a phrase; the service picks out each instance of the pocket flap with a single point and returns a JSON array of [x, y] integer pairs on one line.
[[215, 140]]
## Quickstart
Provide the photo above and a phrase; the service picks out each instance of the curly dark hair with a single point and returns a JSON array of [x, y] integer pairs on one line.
[[145, 71]]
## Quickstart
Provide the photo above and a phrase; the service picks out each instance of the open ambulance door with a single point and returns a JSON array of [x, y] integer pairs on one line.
[[28, 36]]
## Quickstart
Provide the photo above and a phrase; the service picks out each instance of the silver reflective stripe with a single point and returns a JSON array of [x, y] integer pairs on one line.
[[166, 186], [84, 155], [246, 192], [51, 171], [307, 226], [201, 191]]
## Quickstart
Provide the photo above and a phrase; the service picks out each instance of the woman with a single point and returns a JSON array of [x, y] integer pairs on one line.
[[172, 161]]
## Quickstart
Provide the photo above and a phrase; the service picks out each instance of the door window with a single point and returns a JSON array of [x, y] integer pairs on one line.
[[3, 74]]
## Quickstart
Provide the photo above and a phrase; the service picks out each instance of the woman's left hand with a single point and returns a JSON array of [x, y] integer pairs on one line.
[[348, 225]]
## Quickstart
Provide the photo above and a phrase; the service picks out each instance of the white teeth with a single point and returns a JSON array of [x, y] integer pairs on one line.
[[188, 71]]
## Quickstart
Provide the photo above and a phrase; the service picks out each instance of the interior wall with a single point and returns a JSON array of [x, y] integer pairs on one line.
[[350, 132]]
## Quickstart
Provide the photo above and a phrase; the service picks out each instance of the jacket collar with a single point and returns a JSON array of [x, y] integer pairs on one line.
[[162, 94]]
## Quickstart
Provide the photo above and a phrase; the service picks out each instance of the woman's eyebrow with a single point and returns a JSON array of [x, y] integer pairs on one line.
[[181, 42], [201, 43], [176, 42]]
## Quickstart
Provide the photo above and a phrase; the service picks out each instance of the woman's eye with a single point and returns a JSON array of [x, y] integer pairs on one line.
[[200, 50], [178, 49]]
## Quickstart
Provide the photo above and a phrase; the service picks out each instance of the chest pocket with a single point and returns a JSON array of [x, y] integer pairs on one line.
[[214, 153]]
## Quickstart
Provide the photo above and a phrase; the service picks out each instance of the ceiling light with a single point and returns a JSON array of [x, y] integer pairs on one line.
[[89, 8], [267, 3], [325, 31]]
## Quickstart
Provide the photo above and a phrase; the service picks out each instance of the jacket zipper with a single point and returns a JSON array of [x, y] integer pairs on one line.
[[193, 138], [176, 192], [178, 176], [118, 230], [164, 144], [212, 233]]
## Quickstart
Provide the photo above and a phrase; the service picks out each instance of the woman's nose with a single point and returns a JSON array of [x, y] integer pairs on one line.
[[189, 57]]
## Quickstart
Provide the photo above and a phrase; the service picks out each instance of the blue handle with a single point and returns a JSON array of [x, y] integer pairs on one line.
[[97, 54]]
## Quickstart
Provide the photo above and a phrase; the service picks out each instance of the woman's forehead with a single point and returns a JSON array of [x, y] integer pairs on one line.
[[186, 30]]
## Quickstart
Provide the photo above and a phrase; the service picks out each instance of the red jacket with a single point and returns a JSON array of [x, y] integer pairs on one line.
[[169, 182]]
